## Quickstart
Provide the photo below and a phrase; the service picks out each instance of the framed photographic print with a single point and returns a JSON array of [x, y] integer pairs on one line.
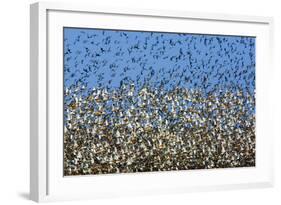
[[127, 102]]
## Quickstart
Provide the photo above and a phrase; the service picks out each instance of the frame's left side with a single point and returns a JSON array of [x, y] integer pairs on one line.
[[38, 103]]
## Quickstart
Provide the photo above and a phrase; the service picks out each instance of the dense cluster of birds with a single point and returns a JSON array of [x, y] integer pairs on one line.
[[117, 132], [152, 101]]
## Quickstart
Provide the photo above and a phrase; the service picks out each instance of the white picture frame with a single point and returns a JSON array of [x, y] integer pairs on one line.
[[47, 182]]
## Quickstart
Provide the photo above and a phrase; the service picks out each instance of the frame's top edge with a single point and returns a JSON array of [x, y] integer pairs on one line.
[[75, 7]]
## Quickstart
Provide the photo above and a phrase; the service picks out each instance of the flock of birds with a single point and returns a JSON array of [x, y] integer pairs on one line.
[[151, 101]]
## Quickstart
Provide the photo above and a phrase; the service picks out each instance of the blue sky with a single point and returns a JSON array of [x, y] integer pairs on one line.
[[106, 58]]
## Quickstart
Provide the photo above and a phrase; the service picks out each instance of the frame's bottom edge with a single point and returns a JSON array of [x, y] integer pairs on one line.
[[212, 188]]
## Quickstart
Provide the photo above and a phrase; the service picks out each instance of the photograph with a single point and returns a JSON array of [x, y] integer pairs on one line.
[[148, 101], [131, 101]]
